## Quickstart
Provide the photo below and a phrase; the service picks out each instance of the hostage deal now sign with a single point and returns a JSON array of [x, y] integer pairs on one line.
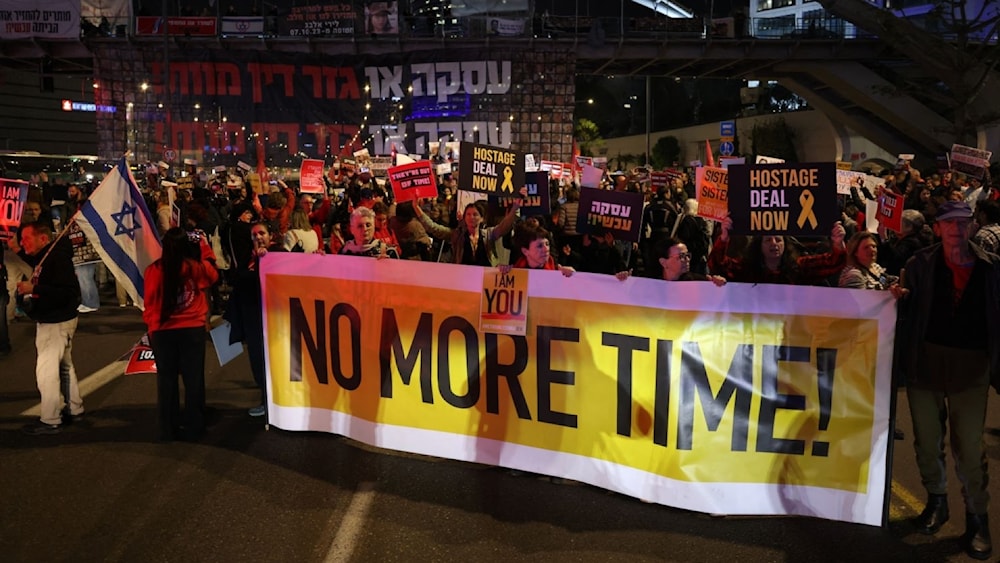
[[490, 170], [783, 199]]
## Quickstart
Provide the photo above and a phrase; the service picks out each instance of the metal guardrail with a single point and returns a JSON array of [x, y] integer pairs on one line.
[[545, 26], [514, 27]]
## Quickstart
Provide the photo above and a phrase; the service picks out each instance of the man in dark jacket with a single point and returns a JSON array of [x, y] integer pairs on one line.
[[50, 298], [948, 351]]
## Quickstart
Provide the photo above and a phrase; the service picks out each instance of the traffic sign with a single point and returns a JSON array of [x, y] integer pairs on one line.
[[727, 128], [169, 155], [726, 148]]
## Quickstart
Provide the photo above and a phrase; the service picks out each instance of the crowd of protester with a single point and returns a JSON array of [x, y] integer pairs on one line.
[[949, 236]]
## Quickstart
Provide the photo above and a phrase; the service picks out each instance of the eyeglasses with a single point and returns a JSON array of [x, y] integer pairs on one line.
[[682, 256]]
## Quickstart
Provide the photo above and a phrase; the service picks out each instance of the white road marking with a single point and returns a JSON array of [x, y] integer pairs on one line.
[[345, 542], [91, 383]]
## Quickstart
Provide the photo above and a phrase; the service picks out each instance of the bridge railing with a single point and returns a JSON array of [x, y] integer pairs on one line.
[[352, 24]]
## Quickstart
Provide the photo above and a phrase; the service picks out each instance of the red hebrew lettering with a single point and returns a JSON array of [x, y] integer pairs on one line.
[[263, 75]]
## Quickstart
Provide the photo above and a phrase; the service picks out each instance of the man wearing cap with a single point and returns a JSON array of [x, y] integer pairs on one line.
[[948, 351]]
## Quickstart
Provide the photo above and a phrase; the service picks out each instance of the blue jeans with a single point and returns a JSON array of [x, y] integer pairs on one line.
[[89, 296]]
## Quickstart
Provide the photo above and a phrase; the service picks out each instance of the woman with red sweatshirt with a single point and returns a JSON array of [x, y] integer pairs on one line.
[[175, 314]]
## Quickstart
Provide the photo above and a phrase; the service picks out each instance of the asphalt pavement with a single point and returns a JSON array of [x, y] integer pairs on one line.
[[104, 490]]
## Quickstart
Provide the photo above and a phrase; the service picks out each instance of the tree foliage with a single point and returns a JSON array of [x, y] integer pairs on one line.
[[588, 137], [774, 137], [666, 152]]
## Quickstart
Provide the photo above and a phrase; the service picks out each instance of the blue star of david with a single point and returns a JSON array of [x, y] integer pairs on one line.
[[127, 213]]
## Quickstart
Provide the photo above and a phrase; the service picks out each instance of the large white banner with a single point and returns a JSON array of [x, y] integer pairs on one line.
[[743, 399], [46, 19]]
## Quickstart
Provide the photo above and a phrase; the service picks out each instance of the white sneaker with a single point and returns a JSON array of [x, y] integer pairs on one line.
[[85, 309], [259, 410]]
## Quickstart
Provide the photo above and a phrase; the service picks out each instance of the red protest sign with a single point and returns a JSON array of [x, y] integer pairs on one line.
[[412, 181], [311, 177], [890, 211], [13, 195], [140, 359]]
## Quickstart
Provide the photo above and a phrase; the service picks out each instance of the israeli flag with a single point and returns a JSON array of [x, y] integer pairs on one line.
[[118, 223]]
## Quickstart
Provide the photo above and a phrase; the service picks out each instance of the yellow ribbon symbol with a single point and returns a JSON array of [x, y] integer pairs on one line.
[[806, 199], [508, 185]]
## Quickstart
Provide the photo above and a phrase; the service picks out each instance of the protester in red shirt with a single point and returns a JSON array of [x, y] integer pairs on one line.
[[534, 246], [382, 230], [175, 314]]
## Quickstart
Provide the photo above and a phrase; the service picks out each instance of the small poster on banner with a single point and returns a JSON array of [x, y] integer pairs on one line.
[[890, 211], [503, 306], [381, 18], [413, 181], [537, 202], [13, 196], [776, 199], [318, 19], [311, 177], [619, 213], [711, 189], [491, 170]]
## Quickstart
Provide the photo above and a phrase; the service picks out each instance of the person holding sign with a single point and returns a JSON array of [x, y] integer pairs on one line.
[[534, 244], [245, 309], [948, 352], [862, 271], [675, 260], [364, 242], [472, 242], [770, 260]]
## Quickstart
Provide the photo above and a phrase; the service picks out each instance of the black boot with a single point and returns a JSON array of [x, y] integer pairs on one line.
[[976, 540], [934, 516]]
